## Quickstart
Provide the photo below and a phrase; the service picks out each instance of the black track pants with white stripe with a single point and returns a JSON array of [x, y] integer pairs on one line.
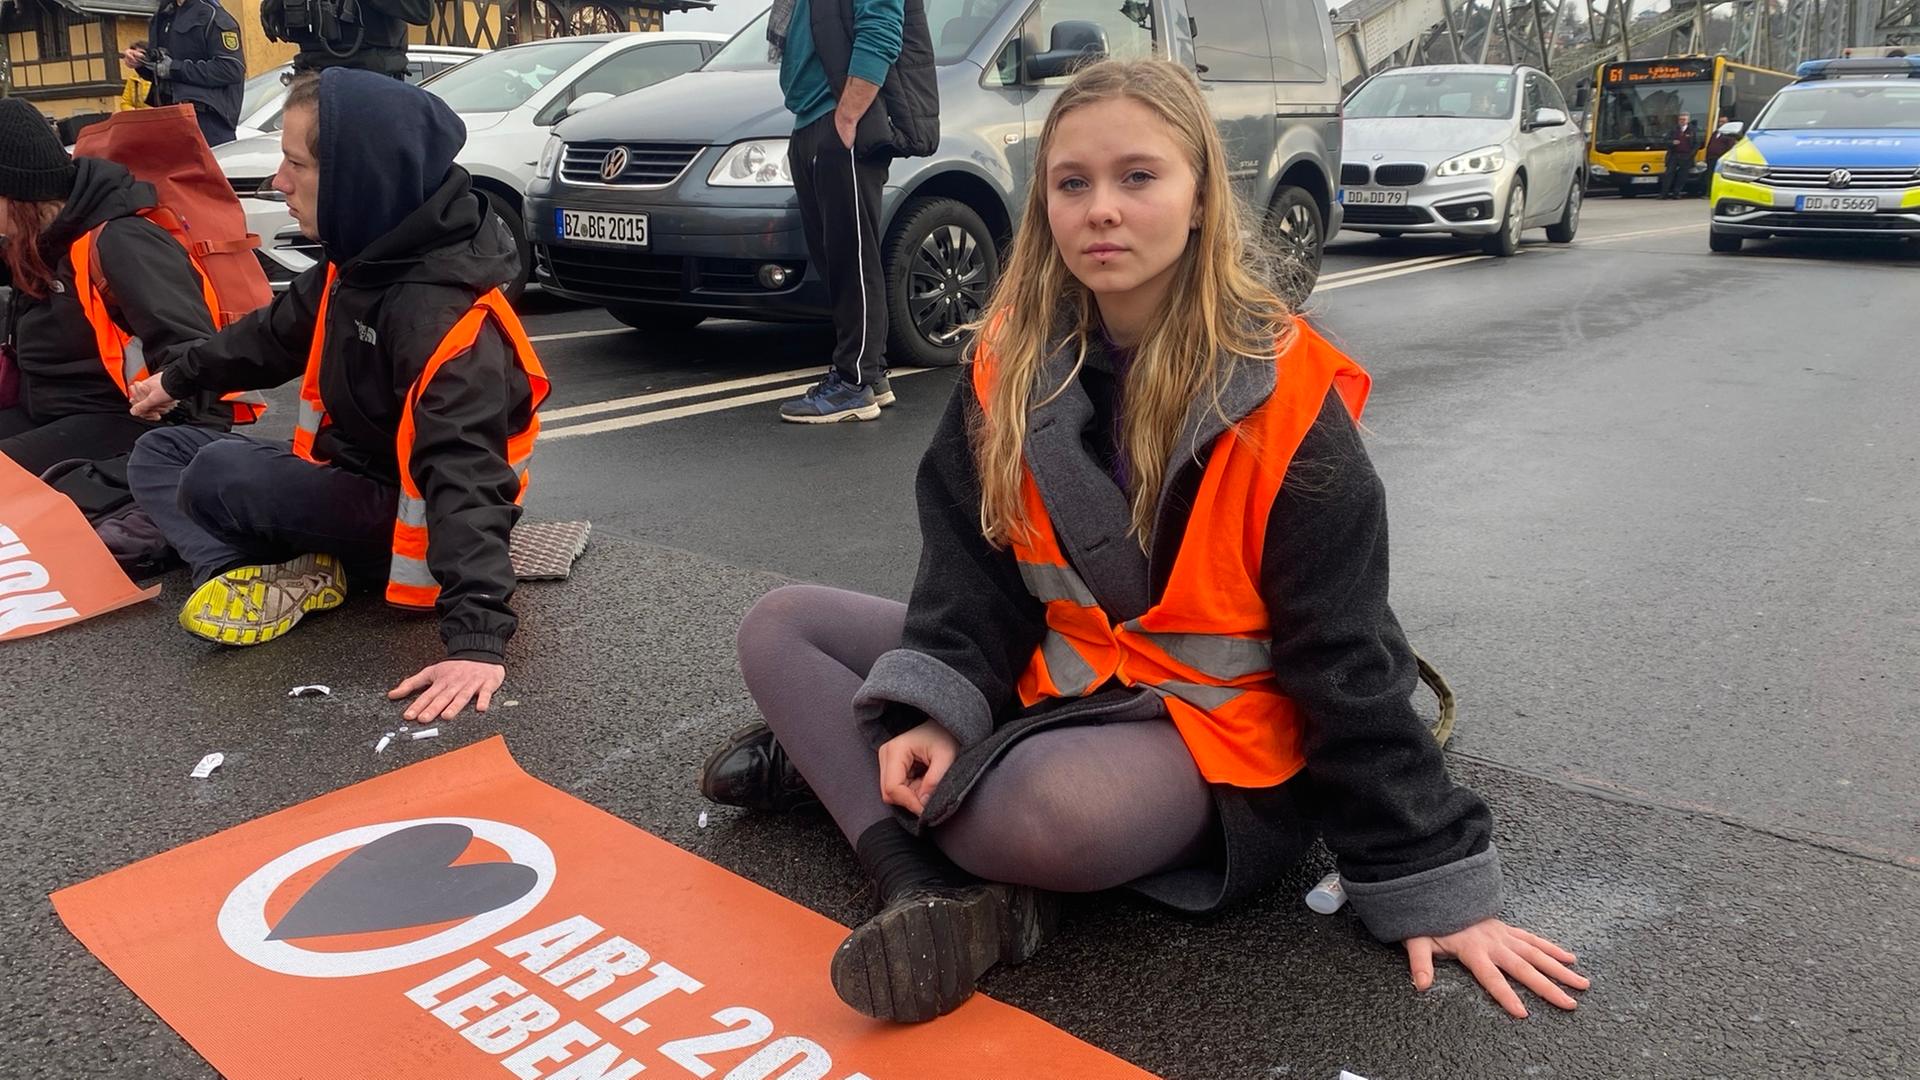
[[840, 213]]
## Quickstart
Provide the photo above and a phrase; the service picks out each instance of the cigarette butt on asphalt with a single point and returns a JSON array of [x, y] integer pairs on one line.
[[1327, 898], [427, 734], [207, 765], [381, 746]]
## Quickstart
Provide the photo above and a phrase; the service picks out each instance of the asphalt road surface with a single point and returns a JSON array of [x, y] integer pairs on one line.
[[1656, 514]]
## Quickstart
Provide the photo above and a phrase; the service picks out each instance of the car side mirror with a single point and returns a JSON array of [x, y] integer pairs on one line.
[[1732, 127], [1543, 118], [1074, 42], [584, 102]]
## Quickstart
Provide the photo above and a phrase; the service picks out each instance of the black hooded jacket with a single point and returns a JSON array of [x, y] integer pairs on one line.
[[395, 300], [155, 297]]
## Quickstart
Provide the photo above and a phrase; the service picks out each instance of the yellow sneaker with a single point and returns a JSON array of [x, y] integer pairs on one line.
[[253, 605]]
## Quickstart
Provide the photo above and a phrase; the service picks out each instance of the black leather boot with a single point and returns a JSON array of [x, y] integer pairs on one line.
[[751, 770], [937, 933]]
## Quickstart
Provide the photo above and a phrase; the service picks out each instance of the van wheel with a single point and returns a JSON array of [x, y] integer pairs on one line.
[[664, 320], [941, 264], [1725, 243], [1507, 241], [1297, 235], [1561, 232], [521, 246]]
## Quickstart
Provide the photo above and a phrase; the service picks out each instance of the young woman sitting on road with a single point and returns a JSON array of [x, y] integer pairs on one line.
[[1149, 644]]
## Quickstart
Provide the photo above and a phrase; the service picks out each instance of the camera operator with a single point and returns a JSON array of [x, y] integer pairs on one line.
[[366, 34], [194, 59]]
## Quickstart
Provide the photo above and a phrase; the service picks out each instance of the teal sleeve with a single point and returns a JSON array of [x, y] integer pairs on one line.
[[876, 38]]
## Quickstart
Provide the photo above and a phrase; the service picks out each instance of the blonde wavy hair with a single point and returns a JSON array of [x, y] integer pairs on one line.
[[1218, 310]]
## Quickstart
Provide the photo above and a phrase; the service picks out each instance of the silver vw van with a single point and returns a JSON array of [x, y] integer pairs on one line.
[[673, 203]]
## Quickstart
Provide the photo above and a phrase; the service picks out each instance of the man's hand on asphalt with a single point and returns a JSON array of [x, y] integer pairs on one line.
[[912, 764], [1490, 947], [446, 687], [150, 400]]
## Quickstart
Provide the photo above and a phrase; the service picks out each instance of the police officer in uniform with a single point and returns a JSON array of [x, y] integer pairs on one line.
[[366, 34], [194, 59]]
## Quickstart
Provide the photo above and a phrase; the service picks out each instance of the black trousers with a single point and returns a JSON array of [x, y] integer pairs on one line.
[[840, 215], [1674, 180], [94, 436]]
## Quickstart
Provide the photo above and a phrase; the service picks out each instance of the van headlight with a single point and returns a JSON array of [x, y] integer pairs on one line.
[[1740, 170], [1484, 160], [758, 163], [549, 157]]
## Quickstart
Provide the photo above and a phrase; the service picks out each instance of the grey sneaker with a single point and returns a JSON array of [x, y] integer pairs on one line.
[[830, 401], [882, 390]]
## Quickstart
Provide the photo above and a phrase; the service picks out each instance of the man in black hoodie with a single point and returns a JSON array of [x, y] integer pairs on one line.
[[417, 400]]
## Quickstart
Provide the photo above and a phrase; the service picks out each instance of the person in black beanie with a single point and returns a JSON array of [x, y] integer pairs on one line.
[[57, 213], [418, 390]]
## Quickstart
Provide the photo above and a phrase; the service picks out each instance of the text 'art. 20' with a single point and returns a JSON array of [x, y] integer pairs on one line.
[[501, 1017]]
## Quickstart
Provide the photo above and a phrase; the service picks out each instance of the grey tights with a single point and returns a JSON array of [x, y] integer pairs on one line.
[[1072, 810]]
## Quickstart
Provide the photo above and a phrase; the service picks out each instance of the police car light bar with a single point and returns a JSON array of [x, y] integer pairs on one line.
[[1859, 67]]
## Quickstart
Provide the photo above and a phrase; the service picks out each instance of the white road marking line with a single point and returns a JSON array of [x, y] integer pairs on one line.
[[619, 423], [1451, 260], [1647, 232], [701, 390], [571, 334], [1377, 267]]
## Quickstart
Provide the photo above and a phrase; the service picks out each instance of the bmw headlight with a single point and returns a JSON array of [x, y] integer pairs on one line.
[[759, 163], [1484, 160], [549, 157], [1740, 170]]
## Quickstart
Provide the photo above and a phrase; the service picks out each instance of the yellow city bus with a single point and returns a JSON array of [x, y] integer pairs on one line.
[[1636, 103]]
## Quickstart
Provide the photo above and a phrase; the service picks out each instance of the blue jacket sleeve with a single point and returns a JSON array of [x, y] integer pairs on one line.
[[877, 29]]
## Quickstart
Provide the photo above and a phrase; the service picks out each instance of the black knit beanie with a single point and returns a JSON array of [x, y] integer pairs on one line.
[[33, 165]]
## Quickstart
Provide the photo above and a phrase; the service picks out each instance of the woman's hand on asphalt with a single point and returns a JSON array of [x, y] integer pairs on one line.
[[446, 687], [1490, 948], [912, 764]]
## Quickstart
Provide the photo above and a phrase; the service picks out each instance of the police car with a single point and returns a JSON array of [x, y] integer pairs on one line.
[[1835, 154]]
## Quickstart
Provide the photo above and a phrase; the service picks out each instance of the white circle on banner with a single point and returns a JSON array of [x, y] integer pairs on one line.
[[243, 918]]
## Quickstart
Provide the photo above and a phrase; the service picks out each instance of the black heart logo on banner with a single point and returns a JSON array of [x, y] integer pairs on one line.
[[403, 879]]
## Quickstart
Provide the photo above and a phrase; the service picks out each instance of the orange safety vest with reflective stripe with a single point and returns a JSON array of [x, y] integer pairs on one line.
[[1204, 644], [120, 352], [410, 582]]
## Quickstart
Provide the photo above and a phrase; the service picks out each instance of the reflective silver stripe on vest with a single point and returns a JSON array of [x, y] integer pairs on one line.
[[133, 361], [407, 571], [1050, 583], [1072, 674], [1218, 655], [412, 511], [1208, 698], [310, 417]]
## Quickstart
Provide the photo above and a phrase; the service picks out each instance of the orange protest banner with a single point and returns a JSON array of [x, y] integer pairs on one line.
[[53, 568], [458, 918]]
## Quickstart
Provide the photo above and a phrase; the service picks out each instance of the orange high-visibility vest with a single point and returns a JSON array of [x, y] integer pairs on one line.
[[120, 352], [410, 583], [1204, 645]]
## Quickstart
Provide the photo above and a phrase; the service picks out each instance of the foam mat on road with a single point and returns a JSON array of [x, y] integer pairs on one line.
[[546, 550]]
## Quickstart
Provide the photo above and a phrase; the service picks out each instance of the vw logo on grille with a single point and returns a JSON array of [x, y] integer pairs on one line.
[[615, 164], [1839, 178]]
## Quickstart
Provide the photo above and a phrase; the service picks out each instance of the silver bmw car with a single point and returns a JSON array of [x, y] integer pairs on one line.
[[1470, 149]]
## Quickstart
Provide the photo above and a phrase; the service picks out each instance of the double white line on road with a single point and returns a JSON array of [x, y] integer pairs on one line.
[[793, 382], [761, 389]]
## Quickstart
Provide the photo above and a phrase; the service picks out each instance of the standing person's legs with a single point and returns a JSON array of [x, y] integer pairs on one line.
[[846, 192], [804, 651], [94, 436], [225, 501]]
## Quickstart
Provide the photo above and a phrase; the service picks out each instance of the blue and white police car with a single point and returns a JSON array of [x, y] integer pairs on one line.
[[1835, 154]]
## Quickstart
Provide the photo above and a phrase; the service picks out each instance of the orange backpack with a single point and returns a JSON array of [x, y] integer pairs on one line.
[[164, 148]]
